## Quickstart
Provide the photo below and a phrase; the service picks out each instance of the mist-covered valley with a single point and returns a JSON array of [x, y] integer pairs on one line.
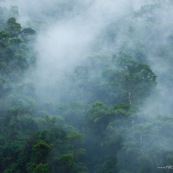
[[86, 86]]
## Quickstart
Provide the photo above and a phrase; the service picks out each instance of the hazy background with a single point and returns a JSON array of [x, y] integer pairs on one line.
[[70, 31]]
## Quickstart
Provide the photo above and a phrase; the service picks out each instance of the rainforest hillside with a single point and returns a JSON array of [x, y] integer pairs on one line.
[[86, 87]]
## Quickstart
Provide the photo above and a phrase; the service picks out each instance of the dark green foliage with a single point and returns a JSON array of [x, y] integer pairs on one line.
[[33, 150], [109, 166], [15, 56], [95, 127], [41, 168], [12, 27], [29, 144], [66, 163], [40, 151], [27, 34]]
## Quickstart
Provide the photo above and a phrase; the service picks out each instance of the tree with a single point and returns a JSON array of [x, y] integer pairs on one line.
[[13, 27], [133, 80]]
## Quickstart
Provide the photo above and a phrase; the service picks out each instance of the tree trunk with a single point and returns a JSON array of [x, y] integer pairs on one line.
[[129, 97]]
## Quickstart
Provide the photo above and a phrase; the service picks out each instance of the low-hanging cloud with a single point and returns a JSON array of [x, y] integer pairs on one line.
[[70, 30]]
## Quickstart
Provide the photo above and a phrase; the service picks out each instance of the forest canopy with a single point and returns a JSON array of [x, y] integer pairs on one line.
[[86, 98]]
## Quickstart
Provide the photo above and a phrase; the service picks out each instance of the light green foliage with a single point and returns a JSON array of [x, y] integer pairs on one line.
[[98, 117], [41, 168], [132, 79], [143, 141], [114, 79]]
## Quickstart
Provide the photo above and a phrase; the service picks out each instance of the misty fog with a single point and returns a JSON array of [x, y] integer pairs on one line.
[[103, 69]]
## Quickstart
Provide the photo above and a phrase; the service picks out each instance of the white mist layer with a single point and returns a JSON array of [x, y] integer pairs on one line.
[[71, 29], [67, 39]]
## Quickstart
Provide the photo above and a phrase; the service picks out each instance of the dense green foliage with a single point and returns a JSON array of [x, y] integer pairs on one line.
[[95, 128], [29, 144]]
